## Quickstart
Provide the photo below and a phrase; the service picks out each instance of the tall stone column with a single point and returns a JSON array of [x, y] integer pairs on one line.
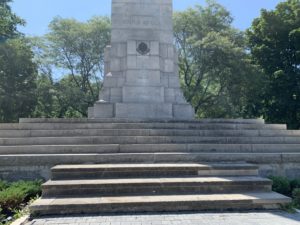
[[141, 65]]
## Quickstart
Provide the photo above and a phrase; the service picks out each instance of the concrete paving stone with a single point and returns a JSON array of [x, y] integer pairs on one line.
[[250, 218]]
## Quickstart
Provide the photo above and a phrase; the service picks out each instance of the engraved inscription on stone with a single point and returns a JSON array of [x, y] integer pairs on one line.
[[143, 48]]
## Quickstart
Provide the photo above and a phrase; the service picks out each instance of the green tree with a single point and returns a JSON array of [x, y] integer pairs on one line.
[[71, 101], [217, 75], [46, 106], [8, 21], [60, 99], [17, 80], [17, 70], [78, 48], [274, 40]]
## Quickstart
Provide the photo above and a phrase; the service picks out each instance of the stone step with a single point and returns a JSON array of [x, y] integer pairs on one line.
[[149, 148], [158, 203], [203, 126], [210, 148], [75, 172], [146, 140], [49, 160], [123, 120], [148, 132], [155, 186]]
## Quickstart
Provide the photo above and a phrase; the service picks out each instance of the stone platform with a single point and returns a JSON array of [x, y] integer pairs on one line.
[[123, 165], [30, 148]]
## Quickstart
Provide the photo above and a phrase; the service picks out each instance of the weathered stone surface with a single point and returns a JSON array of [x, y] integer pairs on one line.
[[136, 64], [160, 187], [104, 110], [123, 140], [143, 78], [181, 111], [77, 172], [148, 185], [29, 149], [150, 110]]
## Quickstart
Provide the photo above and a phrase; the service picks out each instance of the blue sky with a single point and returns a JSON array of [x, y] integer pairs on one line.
[[38, 13]]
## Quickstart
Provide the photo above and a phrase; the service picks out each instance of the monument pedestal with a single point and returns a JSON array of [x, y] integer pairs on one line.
[[141, 65], [141, 111]]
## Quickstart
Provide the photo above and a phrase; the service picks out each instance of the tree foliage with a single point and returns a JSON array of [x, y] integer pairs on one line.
[[78, 48], [8, 21], [60, 98], [17, 80], [216, 73], [224, 73], [17, 70], [274, 40]]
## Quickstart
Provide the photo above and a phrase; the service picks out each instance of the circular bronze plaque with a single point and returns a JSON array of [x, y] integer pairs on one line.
[[143, 48]]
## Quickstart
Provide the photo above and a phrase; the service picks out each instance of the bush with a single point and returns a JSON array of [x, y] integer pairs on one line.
[[11, 198], [2, 217], [296, 197], [295, 184], [18, 193], [29, 188], [3, 185], [281, 185]]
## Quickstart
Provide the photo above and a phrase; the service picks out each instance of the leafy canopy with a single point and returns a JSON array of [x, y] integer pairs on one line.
[[78, 48], [8, 21], [215, 69], [274, 41], [17, 80], [17, 70], [75, 49]]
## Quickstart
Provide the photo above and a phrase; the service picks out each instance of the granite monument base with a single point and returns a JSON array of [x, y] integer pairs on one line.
[[141, 111]]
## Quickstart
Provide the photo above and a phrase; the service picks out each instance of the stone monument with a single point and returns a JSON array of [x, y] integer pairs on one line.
[[141, 65], [104, 165]]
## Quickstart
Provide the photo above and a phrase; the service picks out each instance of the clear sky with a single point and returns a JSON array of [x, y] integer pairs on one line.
[[38, 13]]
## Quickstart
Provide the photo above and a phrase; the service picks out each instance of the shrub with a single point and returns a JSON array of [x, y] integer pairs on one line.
[[2, 217], [29, 188], [3, 185], [18, 193], [296, 197], [295, 184], [281, 185], [11, 198]]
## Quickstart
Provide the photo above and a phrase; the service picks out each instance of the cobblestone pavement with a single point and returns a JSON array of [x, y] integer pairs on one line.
[[253, 218]]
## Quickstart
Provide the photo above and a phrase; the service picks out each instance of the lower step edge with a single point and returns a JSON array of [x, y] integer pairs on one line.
[[39, 211], [152, 207]]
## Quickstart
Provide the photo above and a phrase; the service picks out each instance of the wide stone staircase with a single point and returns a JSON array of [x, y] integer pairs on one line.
[[124, 188], [107, 166]]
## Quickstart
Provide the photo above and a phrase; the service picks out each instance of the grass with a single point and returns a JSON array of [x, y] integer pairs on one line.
[[15, 196]]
